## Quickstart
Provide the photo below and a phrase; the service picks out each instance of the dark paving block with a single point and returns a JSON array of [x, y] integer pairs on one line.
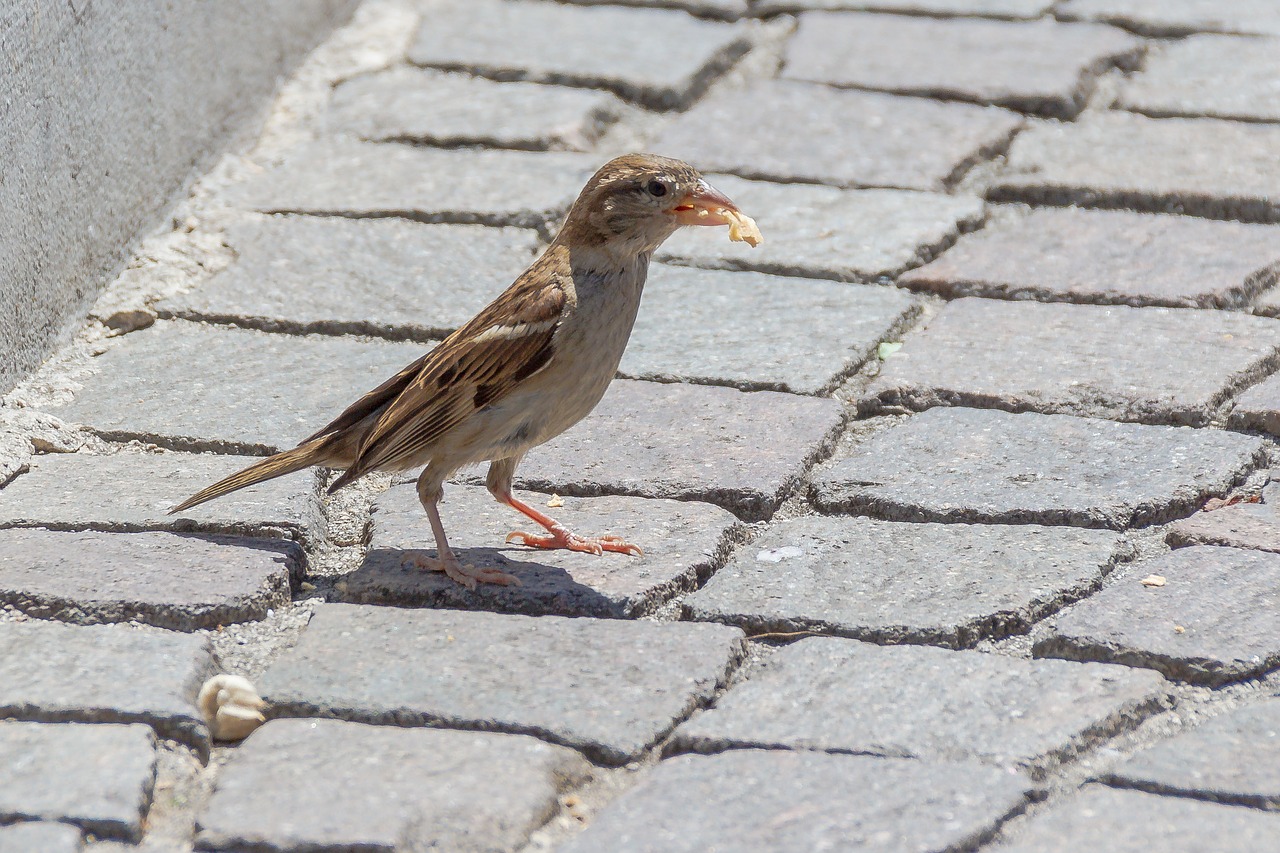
[[1157, 365], [1243, 525], [1001, 9], [434, 108], [1163, 18], [384, 277], [658, 58], [765, 800], [974, 465], [683, 542], [915, 701], [849, 138], [1226, 601], [96, 777], [37, 835], [1112, 257], [758, 332], [1259, 408], [726, 10], [947, 584], [1043, 67], [1202, 167], [809, 231], [105, 674], [605, 686], [1209, 75], [332, 785]]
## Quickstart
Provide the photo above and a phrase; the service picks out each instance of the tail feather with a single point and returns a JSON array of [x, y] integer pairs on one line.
[[303, 456]]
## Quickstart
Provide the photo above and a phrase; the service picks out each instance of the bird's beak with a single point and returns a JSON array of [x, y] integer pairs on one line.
[[703, 206]]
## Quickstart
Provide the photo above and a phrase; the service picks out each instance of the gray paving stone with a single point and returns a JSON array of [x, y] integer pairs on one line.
[[605, 686], [51, 672], [1259, 408], [1113, 257], [1150, 365], [916, 701], [96, 777], [433, 108], [1202, 167], [744, 452], [975, 465], [1225, 600], [739, 329], [725, 10], [849, 138], [1001, 9], [268, 393], [766, 800], [683, 543], [332, 785], [1042, 67], [38, 835], [383, 277], [343, 177], [1162, 18], [1209, 75], [943, 584], [1101, 818], [1267, 304], [823, 232], [655, 57], [1243, 525]]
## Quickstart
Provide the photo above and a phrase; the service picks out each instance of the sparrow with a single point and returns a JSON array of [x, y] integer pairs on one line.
[[529, 366]]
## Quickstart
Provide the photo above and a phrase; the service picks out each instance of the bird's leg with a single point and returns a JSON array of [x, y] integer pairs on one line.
[[429, 492]]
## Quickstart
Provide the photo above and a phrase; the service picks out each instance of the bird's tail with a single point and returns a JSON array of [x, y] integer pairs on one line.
[[305, 455]]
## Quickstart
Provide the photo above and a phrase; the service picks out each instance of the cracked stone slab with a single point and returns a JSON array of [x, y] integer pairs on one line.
[[1258, 408], [97, 777], [824, 232], [1201, 167], [776, 801], [1042, 67], [725, 10], [850, 138], [1162, 18], [742, 451], [1161, 365], [1226, 601], [739, 329], [382, 277], [1110, 257], [1242, 525], [683, 542], [344, 177], [179, 582], [658, 58], [269, 392], [606, 686], [50, 672], [1000, 9], [432, 108], [339, 785], [39, 835], [1215, 76], [80, 491], [922, 702], [1102, 818], [942, 584], [976, 465]]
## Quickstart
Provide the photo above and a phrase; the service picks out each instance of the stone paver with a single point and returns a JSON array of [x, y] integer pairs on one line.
[[368, 179], [105, 674], [1001, 9], [178, 582], [338, 785], [1102, 256], [948, 584], [728, 10], [658, 58], [38, 835], [916, 701], [1043, 67], [433, 108], [1208, 75], [1215, 619], [608, 687], [849, 138], [823, 232], [1150, 365], [1259, 408], [1164, 18], [766, 800], [683, 542], [739, 329], [1203, 167], [1242, 525], [96, 777], [975, 465], [1101, 818], [389, 278], [1268, 303]]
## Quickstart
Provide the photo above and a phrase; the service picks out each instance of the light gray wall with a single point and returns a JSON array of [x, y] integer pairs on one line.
[[106, 108]]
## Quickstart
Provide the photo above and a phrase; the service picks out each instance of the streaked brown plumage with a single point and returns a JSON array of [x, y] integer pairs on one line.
[[530, 365]]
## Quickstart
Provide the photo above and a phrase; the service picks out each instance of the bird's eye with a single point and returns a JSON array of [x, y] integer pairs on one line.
[[656, 188]]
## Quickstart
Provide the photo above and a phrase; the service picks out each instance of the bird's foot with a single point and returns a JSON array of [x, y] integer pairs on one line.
[[463, 573], [561, 538]]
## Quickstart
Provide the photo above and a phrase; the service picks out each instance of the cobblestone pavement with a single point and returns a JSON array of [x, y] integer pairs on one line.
[[931, 484]]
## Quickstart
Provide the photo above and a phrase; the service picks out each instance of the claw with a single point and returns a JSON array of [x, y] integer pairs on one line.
[[465, 574], [560, 538]]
